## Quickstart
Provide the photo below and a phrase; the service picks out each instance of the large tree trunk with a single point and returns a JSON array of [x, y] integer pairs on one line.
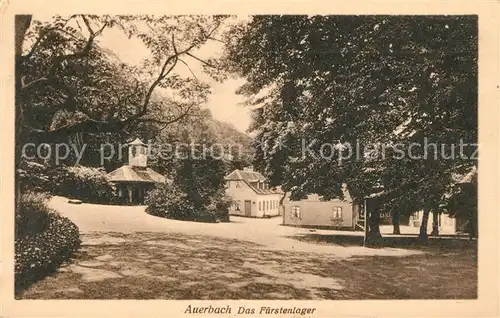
[[435, 224], [374, 237], [395, 223], [21, 25], [423, 228], [473, 225]]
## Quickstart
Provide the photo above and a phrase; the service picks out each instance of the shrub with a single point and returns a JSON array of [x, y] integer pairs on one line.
[[84, 183], [35, 176], [33, 214], [78, 182], [168, 201], [42, 247], [219, 207]]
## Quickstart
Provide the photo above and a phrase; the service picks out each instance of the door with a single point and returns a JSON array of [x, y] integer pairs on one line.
[[248, 208], [135, 195]]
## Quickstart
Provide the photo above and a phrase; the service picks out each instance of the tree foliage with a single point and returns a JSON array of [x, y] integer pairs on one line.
[[68, 87], [364, 80]]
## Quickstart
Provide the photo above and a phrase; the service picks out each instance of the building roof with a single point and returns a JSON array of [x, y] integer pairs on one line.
[[250, 177], [247, 175], [468, 178], [263, 191], [464, 178], [129, 173]]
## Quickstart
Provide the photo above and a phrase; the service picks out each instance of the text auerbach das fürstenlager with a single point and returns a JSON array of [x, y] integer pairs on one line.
[[263, 310]]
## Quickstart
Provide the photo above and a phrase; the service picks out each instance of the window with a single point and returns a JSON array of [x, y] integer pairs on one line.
[[296, 212], [337, 212], [260, 207], [237, 184], [267, 204], [237, 206]]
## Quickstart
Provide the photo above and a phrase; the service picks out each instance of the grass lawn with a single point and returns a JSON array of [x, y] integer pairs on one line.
[[177, 266]]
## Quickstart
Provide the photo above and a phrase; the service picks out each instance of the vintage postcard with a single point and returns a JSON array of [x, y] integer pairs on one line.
[[250, 159]]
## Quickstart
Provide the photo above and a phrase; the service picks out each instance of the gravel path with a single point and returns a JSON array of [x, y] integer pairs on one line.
[[269, 233]]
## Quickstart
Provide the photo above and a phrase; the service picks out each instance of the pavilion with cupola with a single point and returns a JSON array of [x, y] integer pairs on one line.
[[135, 179]]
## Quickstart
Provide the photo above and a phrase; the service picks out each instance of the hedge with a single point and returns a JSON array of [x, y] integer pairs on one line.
[[88, 184], [44, 245]]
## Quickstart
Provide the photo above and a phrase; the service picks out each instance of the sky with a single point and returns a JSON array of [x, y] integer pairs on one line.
[[223, 103]]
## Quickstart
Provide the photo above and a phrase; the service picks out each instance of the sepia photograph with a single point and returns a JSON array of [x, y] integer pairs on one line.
[[223, 157]]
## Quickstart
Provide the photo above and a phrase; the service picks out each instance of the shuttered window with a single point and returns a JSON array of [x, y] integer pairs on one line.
[[296, 212], [337, 212]]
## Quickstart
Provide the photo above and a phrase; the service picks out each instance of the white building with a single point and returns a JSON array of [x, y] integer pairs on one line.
[[446, 224], [315, 212], [251, 194]]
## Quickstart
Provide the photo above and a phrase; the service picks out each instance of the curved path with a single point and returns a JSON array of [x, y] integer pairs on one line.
[[266, 232], [128, 254]]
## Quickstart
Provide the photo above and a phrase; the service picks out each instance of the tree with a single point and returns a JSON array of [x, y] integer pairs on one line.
[[359, 81], [67, 84], [435, 223], [192, 157]]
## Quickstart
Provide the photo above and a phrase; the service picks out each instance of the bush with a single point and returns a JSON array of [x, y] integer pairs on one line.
[[35, 176], [33, 214], [168, 201], [46, 243], [77, 182], [84, 183], [219, 207]]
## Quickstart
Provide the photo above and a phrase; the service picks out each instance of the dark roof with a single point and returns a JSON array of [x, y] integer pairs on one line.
[[250, 177], [469, 176], [458, 178], [129, 173], [263, 191], [247, 175]]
